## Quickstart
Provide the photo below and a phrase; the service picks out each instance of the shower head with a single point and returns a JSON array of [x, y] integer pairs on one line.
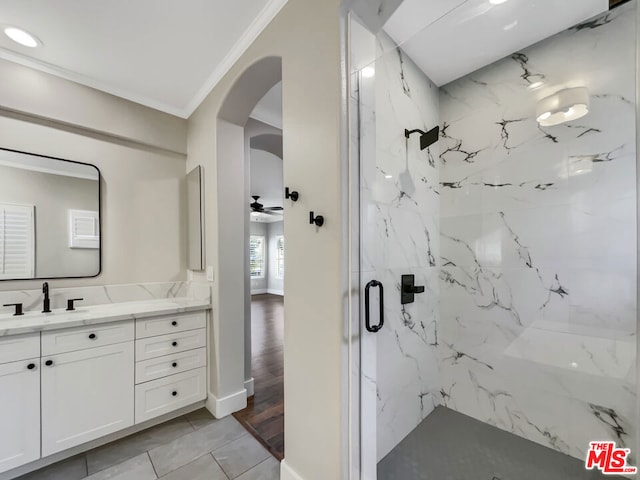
[[426, 138]]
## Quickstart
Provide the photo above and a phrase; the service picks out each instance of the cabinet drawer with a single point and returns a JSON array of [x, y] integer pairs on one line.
[[14, 348], [155, 368], [150, 327], [79, 338], [153, 347], [170, 393]]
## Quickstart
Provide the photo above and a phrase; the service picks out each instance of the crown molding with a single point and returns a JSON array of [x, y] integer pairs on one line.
[[257, 26], [89, 82], [263, 19]]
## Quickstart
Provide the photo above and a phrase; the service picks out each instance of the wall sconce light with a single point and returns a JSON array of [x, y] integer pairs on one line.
[[563, 106]]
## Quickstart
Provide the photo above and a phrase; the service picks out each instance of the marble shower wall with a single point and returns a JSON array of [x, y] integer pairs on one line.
[[538, 242], [400, 235]]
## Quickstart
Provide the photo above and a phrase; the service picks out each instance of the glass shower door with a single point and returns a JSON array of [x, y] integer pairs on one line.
[[399, 237], [514, 233]]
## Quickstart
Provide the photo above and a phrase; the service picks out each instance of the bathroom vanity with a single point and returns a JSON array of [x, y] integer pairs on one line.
[[68, 378], [120, 359]]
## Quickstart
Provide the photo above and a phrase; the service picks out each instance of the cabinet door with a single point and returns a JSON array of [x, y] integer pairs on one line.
[[85, 395], [19, 413]]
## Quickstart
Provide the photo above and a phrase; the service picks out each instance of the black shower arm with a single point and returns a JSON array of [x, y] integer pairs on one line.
[[407, 133]]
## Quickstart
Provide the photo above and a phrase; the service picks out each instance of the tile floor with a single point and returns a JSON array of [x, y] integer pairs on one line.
[[448, 445], [195, 446]]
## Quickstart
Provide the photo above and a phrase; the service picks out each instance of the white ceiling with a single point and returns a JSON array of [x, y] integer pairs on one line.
[[165, 54], [451, 38], [269, 109]]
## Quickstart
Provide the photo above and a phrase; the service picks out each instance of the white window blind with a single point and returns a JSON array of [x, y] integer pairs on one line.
[[17, 242], [256, 256], [280, 257], [84, 229]]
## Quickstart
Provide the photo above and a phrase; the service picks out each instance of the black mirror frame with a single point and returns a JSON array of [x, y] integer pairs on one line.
[[99, 217]]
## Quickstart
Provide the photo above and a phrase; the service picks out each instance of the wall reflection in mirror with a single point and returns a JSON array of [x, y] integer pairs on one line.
[[49, 217]]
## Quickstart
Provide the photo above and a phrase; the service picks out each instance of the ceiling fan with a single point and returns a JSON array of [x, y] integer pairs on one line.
[[260, 208]]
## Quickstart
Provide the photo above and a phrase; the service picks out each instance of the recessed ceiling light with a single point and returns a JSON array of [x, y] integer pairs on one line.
[[497, 2], [20, 36]]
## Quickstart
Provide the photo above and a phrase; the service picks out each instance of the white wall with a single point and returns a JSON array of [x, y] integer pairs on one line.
[[227, 390], [313, 164], [275, 285], [143, 188], [47, 98], [259, 285], [266, 177]]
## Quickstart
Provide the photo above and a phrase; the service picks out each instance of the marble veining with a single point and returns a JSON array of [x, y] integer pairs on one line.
[[400, 196], [102, 304], [105, 294], [37, 322], [535, 323], [523, 236]]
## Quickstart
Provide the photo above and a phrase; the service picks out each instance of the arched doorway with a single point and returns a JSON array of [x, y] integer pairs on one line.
[[236, 131]]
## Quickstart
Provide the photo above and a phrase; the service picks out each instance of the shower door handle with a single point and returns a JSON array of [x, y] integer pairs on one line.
[[367, 313]]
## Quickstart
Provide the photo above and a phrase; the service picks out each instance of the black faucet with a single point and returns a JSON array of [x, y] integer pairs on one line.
[[47, 303]]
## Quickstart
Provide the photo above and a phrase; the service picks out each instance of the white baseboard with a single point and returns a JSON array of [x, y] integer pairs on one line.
[[275, 292], [287, 473], [221, 407], [258, 291], [249, 387]]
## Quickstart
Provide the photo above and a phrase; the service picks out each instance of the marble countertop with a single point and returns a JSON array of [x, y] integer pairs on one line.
[[91, 315]]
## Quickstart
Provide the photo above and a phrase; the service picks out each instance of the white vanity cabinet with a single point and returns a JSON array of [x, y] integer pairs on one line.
[[89, 392], [19, 400], [171, 363], [90, 376]]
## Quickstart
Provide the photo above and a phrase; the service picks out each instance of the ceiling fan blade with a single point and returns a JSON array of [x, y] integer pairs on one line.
[[274, 208]]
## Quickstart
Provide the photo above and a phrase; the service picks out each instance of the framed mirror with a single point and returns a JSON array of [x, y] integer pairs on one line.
[[49, 217]]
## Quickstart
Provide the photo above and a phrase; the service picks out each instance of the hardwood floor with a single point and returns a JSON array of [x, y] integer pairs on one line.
[[264, 415]]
